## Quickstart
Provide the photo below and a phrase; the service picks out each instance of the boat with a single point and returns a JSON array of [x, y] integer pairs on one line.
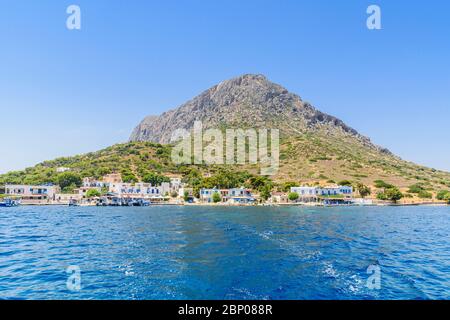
[[73, 203], [9, 203]]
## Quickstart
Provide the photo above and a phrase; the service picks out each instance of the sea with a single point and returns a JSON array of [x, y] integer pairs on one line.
[[243, 253]]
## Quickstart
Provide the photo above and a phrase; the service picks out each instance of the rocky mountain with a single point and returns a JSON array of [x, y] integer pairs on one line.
[[243, 102]]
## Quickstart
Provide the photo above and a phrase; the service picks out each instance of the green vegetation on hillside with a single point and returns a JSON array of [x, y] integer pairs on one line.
[[345, 163], [134, 161]]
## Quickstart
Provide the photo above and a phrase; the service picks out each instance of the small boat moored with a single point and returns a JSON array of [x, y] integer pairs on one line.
[[73, 203], [9, 203]]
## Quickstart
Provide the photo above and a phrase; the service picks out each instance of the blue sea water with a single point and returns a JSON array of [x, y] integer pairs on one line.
[[168, 252]]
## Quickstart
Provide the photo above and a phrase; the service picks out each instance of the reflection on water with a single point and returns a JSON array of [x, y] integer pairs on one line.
[[224, 253]]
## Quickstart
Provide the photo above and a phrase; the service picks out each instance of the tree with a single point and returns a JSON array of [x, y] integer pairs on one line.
[[443, 195], [393, 194], [293, 196], [216, 197], [103, 171], [174, 194], [128, 176], [69, 179], [363, 190], [92, 193], [265, 193], [155, 179], [260, 182], [383, 185], [288, 185], [186, 196]]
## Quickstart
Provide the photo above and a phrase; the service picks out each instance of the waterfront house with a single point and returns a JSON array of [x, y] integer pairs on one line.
[[189, 191], [139, 190], [239, 196], [206, 195], [232, 196], [335, 190], [39, 194], [90, 184], [306, 193], [313, 194], [65, 198], [279, 197], [175, 181], [82, 191]]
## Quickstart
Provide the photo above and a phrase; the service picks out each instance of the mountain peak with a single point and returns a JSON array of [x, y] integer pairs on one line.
[[246, 101], [248, 77]]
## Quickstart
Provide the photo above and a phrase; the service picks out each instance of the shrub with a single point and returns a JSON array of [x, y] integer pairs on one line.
[[407, 195], [363, 190], [381, 184], [443, 195], [424, 195], [345, 183], [416, 188], [216, 197], [293, 196], [91, 193]]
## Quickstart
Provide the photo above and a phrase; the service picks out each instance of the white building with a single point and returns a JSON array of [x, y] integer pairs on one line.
[[93, 183], [27, 192], [336, 190], [206, 195], [240, 196], [234, 195], [305, 191], [145, 190], [175, 182]]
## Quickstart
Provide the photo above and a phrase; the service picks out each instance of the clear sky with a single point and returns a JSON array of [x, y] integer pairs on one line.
[[66, 92]]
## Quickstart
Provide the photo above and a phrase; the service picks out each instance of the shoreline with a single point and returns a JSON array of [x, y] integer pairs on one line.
[[423, 204]]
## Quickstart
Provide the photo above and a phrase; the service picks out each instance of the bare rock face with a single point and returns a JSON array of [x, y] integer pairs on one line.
[[248, 101]]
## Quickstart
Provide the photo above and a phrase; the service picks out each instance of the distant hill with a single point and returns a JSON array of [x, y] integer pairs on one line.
[[315, 147]]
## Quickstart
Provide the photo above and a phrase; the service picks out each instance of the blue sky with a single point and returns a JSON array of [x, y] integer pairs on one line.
[[66, 92]]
